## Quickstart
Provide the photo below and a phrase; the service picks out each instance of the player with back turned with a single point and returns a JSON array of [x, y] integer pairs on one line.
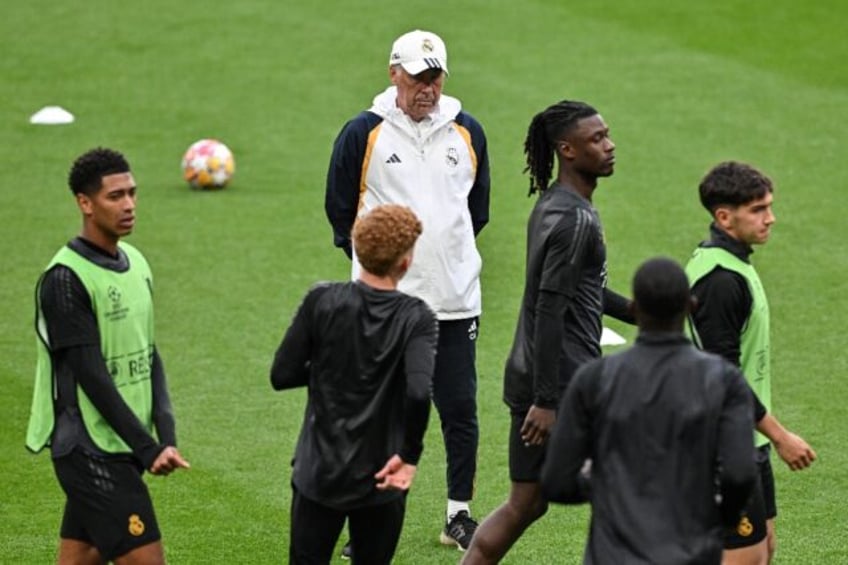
[[667, 427], [366, 352]]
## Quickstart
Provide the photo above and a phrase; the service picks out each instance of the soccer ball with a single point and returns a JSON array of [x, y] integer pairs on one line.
[[208, 163]]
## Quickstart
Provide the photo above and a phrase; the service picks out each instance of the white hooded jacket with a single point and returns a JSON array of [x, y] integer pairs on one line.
[[439, 168]]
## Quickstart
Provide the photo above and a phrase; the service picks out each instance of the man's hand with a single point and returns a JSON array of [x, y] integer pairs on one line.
[[794, 451], [792, 448], [395, 475], [537, 425], [168, 460]]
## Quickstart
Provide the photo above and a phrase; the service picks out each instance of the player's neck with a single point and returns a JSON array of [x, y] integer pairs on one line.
[[576, 182], [107, 243], [380, 283]]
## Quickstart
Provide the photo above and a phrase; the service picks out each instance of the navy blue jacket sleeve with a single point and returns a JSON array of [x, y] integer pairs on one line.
[[344, 177], [478, 198]]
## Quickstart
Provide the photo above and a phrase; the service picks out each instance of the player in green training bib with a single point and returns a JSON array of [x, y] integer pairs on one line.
[[100, 400], [732, 319]]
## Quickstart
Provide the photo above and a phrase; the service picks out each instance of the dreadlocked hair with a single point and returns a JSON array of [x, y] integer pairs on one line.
[[547, 128]]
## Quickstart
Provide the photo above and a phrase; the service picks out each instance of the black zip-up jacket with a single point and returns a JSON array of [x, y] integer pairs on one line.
[[667, 428]]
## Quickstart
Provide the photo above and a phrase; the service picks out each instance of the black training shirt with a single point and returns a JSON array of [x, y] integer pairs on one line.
[[559, 324], [367, 358]]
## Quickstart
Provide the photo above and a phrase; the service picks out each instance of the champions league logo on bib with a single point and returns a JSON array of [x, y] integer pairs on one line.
[[114, 294], [117, 312]]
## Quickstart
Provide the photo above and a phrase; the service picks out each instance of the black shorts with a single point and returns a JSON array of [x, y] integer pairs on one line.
[[108, 504], [761, 506], [767, 479], [525, 462]]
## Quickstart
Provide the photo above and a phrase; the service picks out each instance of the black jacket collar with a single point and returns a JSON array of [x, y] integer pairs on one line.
[[661, 338], [720, 238]]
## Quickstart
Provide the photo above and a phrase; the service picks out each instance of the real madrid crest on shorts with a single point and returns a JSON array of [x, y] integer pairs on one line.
[[136, 526], [744, 528]]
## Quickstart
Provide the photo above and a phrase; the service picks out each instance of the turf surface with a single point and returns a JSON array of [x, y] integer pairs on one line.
[[682, 85]]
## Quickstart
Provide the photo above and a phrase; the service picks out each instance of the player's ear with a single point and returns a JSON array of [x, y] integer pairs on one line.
[[566, 149], [404, 263], [723, 216], [407, 261], [84, 203]]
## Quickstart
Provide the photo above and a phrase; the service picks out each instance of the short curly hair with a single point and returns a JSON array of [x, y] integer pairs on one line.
[[734, 184], [87, 172], [383, 236]]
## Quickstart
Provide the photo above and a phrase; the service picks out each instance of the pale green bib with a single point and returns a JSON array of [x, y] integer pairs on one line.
[[124, 309], [754, 358]]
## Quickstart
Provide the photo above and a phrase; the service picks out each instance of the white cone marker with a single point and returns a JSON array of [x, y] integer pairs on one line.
[[610, 337], [52, 115]]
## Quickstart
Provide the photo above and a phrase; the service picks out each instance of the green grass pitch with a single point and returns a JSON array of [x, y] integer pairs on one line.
[[682, 85]]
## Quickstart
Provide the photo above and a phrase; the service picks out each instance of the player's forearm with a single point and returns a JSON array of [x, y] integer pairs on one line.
[[86, 363], [288, 371], [163, 413], [770, 427], [548, 336], [618, 307], [417, 415], [419, 364]]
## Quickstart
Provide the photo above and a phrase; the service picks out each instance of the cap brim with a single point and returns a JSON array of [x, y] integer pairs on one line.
[[421, 65]]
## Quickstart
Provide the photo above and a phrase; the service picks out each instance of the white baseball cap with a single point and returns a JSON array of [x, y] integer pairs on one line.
[[418, 51]]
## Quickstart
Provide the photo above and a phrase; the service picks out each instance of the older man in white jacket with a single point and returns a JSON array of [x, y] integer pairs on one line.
[[417, 147]]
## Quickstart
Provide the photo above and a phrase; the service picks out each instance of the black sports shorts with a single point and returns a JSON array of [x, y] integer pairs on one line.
[[525, 462], [108, 504], [761, 506], [767, 479]]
